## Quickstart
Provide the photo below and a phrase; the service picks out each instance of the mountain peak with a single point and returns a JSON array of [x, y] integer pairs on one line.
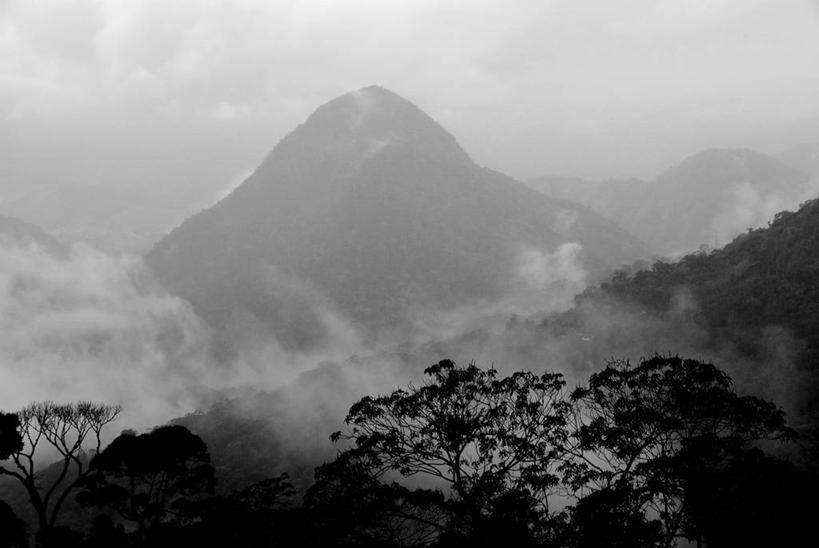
[[367, 120], [378, 92]]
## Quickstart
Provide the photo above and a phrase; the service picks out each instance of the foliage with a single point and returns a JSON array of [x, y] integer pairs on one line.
[[11, 440], [487, 439], [147, 477], [641, 455], [645, 433], [630, 447], [766, 277], [13, 530], [70, 430], [352, 506], [262, 514]]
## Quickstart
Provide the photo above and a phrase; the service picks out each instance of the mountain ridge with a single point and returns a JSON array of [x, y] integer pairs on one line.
[[707, 199]]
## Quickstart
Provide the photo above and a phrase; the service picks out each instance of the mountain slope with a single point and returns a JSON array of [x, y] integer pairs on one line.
[[765, 277], [369, 208], [709, 198]]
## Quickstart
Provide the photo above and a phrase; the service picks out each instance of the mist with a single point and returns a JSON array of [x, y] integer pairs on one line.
[[94, 327], [89, 325]]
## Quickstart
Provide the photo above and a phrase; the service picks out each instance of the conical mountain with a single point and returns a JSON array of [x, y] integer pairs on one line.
[[369, 208]]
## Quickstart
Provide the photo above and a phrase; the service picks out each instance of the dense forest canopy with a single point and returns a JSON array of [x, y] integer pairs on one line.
[[766, 277], [641, 455]]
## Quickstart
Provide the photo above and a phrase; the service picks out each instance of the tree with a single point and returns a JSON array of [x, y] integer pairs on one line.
[[147, 478], [13, 530], [645, 434], [350, 505], [488, 440], [70, 430], [11, 439]]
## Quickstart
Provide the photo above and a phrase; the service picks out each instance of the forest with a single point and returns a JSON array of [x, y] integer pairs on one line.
[[642, 455]]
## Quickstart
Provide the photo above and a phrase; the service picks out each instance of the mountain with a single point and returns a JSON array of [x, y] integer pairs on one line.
[[370, 209], [708, 199]]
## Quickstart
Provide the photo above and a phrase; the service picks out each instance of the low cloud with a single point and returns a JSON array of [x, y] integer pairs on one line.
[[93, 326], [753, 208], [89, 325]]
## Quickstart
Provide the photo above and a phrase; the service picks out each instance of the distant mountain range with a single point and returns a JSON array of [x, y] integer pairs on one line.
[[370, 208], [708, 199]]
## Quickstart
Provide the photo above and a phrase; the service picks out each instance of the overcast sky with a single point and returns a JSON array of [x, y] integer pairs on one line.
[[149, 93]]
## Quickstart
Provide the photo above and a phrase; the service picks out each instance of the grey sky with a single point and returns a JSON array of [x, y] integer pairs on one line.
[[160, 92]]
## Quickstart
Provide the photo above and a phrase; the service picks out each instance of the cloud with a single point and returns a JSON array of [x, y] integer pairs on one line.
[[95, 326], [557, 276], [752, 208], [92, 326], [540, 282], [229, 111]]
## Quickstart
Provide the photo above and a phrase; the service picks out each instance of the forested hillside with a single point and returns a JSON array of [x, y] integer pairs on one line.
[[765, 278]]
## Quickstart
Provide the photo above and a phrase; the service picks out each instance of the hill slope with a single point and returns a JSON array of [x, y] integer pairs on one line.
[[766, 277], [369, 208]]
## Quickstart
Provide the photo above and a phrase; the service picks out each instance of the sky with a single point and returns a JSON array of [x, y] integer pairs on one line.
[[188, 96]]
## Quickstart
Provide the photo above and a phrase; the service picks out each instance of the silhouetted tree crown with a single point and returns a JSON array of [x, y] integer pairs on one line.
[[644, 434], [147, 478], [629, 447], [71, 430]]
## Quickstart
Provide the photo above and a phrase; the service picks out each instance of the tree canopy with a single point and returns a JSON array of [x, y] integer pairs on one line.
[[644, 434], [640, 455], [146, 478], [627, 447], [71, 430]]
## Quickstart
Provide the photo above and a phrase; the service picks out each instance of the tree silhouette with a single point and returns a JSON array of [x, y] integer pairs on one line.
[[645, 434], [70, 430], [487, 440], [13, 530], [11, 439], [350, 505], [148, 478]]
